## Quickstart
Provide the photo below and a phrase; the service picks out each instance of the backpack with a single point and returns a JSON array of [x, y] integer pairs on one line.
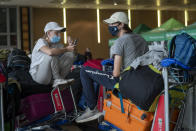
[[18, 59], [183, 49], [28, 85], [141, 85]]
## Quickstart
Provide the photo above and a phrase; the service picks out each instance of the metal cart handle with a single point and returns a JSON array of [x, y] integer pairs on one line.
[[170, 61], [107, 61]]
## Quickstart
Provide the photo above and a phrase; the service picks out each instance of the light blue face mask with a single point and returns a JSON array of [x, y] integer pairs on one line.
[[55, 39]]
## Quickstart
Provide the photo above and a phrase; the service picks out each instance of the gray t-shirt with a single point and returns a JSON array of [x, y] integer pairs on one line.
[[129, 46]]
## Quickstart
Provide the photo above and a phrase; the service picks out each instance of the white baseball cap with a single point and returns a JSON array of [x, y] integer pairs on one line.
[[53, 26], [117, 17]]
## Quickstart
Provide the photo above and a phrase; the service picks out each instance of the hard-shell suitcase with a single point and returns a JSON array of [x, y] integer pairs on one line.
[[159, 116], [133, 119], [37, 106]]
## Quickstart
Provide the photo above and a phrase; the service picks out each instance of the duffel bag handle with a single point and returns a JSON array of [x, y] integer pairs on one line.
[[171, 47]]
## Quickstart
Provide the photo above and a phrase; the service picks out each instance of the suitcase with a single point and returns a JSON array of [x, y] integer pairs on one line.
[[159, 116], [133, 119], [37, 106]]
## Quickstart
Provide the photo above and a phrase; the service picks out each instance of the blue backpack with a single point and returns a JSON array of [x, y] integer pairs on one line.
[[183, 49]]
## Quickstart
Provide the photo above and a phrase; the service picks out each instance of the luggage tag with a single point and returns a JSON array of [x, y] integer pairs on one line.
[[57, 100]]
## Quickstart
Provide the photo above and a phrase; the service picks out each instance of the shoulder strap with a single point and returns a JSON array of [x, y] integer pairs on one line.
[[121, 102], [171, 47], [116, 92]]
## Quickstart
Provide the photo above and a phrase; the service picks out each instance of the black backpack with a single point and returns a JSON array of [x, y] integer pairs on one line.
[[141, 85], [28, 85], [18, 59]]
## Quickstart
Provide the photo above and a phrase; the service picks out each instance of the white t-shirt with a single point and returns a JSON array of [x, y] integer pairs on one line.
[[38, 56]]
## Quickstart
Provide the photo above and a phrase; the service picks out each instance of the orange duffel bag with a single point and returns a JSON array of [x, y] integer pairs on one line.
[[133, 118]]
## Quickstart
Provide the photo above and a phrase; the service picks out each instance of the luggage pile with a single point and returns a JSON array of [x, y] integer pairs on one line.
[[145, 98], [27, 104], [175, 105]]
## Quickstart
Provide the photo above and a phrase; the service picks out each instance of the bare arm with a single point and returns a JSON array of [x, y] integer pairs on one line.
[[117, 65], [56, 51]]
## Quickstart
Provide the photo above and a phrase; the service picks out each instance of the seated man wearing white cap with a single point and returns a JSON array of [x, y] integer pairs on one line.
[[124, 51], [51, 61]]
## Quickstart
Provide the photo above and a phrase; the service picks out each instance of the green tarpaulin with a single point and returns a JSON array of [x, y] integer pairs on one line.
[[165, 32], [191, 30], [141, 28]]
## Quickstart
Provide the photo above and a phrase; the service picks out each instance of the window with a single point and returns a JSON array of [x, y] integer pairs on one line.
[[8, 27]]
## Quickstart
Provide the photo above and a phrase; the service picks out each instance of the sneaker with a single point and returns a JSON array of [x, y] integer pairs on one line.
[[59, 82], [70, 80], [89, 115]]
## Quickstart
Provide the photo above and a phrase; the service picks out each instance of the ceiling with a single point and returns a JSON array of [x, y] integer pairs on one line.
[[107, 4]]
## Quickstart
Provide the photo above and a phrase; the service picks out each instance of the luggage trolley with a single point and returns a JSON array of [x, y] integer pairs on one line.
[[107, 65], [59, 117], [172, 76], [133, 116], [2, 85]]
